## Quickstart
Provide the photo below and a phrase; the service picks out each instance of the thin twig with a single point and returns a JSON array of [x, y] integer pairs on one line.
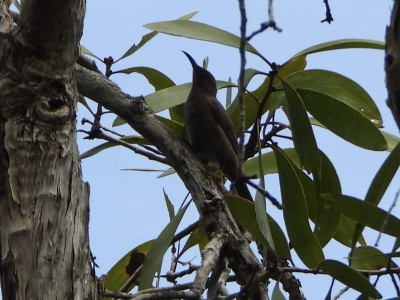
[[242, 88], [387, 217], [328, 14], [137, 150]]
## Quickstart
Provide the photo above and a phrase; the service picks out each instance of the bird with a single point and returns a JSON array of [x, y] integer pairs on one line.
[[210, 130]]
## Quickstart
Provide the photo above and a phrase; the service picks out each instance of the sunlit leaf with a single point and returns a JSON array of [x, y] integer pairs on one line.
[[86, 51], [200, 31], [343, 44], [147, 37]]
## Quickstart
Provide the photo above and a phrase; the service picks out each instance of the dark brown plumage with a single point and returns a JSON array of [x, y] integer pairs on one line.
[[210, 130]]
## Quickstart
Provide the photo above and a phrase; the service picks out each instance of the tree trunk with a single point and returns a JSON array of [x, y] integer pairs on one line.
[[44, 204]]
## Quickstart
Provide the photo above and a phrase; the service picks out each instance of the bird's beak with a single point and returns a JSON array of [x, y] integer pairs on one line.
[[192, 61]]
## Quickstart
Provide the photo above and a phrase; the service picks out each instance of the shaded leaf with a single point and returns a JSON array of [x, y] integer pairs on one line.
[[153, 260], [368, 258], [327, 217], [251, 105], [339, 88], [119, 274], [276, 293], [262, 218], [191, 241], [243, 211], [367, 214], [303, 136], [295, 212], [349, 277], [383, 177], [347, 123]]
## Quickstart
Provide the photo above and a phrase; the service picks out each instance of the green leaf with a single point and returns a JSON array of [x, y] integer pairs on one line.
[[172, 96], [345, 230], [86, 51], [251, 167], [153, 260], [327, 217], [384, 177], [391, 140], [167, 172], [343, 44], [157, 79], [262, 219], [368, 258], [191, 241], [276, 293], [200, 31], [339, 88], [244, 213], [170, 206], [343, 107], [119, 274], [146, 38], [127, 139], [295, 212], [380, 183], [349, 277], [347, 123], [367, 214], [303, 136], [251, 105]]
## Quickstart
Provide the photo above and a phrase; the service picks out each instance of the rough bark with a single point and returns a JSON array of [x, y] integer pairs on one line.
[[392, 62], [44, 204]]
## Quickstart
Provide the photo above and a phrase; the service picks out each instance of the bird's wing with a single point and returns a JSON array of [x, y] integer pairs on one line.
[[221, 118]]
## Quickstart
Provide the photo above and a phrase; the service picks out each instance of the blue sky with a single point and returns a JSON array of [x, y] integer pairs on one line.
[[127, 208]]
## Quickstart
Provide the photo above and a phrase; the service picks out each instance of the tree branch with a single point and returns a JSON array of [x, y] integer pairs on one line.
[[206, 195]]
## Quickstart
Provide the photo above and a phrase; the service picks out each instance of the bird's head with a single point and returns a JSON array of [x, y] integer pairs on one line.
[[202, 79]]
